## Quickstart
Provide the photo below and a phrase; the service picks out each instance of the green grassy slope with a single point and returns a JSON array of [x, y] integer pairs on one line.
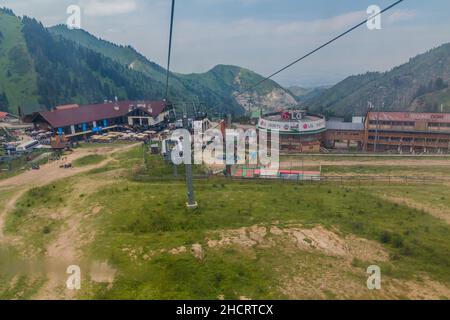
[[18, 79], [138, 224]]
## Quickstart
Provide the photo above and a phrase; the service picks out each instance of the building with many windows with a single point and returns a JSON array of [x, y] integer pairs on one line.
[[407, 132], [398, 132]]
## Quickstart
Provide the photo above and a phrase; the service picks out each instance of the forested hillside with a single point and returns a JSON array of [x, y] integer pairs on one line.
[[399, 88], [45, 67], [217, 87]]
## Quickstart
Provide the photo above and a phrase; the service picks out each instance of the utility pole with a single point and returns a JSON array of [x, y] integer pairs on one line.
[[9, 161], [376, 131], [378, 118]]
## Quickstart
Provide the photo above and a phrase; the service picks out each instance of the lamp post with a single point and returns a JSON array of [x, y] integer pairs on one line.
[[377, 138]]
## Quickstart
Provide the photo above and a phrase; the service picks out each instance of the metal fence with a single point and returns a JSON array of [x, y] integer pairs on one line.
[[343, 180]]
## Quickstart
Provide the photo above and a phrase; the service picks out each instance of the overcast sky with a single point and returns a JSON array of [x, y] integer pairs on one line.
[[262, 35]]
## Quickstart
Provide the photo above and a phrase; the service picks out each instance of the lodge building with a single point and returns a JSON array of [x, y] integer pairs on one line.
[[76, 121]]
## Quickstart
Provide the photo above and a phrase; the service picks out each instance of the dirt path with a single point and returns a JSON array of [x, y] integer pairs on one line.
[[64, 251], [49, 173], [52, 172], [390, 162]]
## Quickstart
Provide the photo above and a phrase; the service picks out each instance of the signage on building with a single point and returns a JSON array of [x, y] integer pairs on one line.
[[292, 115], [292, 126]]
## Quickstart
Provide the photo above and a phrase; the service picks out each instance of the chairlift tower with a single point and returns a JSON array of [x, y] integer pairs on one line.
[[191, 204]]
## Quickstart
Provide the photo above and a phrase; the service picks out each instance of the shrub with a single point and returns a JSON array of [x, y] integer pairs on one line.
[[46, 230], [397, 241], [385, 237]]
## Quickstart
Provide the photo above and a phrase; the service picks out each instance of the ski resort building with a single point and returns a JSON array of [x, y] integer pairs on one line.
[[299, 130], [7, 117], [407, 132], [76, 121], [397, 132]]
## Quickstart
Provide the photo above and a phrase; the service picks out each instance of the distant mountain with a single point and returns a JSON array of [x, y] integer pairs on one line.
[[41, 68], [217, 87], [399, 89], [299, 91], [305, 94]]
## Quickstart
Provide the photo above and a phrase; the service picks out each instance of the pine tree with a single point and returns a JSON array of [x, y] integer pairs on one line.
[[4, 104]]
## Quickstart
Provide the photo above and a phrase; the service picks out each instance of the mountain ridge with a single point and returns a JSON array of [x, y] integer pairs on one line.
[[396, 88], [267, 96], [98, 70]]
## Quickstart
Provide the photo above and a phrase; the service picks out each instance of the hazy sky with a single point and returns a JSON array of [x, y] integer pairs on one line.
[[262, 35]]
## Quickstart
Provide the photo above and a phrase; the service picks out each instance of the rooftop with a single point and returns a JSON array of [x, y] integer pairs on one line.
[[409, 116], [73, 114], [348, 126]]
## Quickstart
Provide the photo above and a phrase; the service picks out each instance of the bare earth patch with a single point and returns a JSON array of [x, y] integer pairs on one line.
[[425, 289], [197, 251], [102, 272], [317, 239], [66, 249]]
